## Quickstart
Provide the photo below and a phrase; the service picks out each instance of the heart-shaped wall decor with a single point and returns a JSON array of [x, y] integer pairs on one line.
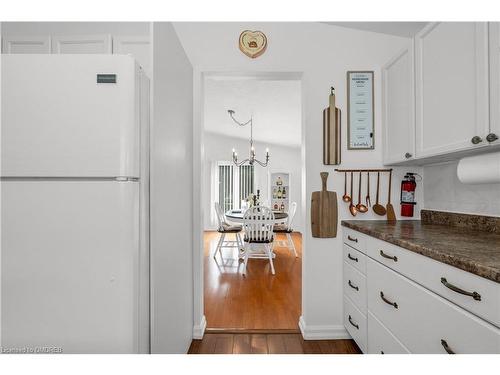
[[253, 43]]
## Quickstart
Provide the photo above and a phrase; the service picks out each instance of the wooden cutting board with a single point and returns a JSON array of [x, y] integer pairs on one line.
[[324, 215]]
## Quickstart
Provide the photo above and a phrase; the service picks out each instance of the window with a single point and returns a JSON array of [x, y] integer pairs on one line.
[[233, 184]]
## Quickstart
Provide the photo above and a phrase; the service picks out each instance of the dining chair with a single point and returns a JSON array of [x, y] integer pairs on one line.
[[258, 227], [287, 228], [225, 228]]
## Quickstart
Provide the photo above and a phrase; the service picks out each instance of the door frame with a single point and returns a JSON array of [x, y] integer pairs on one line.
[[199, 78]]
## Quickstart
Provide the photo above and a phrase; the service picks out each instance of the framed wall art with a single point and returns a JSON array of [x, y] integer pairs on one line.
[[360, 115]]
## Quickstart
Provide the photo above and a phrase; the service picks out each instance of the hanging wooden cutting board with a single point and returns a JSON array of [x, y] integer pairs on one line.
[[324, 215]]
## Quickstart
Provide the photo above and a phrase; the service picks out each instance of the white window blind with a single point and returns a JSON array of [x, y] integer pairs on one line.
[[233, 184]]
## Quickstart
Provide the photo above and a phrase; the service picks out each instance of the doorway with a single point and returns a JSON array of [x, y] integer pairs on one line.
[[259, 300]]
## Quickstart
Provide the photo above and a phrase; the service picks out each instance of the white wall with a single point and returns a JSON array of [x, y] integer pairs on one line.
[[444, 192], [283, 159], [171, 193], [323, 54]]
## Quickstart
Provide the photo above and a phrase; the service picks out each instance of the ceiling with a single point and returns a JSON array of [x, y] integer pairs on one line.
[[404, 29], [274, 104]]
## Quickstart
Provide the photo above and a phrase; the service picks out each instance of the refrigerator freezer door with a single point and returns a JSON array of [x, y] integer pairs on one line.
[[58, 121], [70, 265]]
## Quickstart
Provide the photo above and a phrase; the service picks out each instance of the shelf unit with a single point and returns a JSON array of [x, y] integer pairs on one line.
[[279, 191]]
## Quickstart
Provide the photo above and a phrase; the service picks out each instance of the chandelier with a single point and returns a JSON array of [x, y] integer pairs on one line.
[[251, 159]]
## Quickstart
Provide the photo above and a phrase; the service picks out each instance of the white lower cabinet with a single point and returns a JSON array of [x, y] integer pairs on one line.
[[423, 321], [396, 306], [355, 323], [381, 340]]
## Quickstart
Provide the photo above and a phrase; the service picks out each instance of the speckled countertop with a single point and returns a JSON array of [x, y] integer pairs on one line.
[[471, 250]]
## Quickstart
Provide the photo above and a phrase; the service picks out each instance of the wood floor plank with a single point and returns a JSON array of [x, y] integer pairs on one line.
[[258, 344], [287, 343], [224, 344], [242, 344], [276, 344]]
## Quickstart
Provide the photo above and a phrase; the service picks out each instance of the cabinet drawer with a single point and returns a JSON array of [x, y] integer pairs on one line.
[[355, 239], [355, 259], [429, 273], [381, 340], [355, 323], [423, 321], [355, 286]]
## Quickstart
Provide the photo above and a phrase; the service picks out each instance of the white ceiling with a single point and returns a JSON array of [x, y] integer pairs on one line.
[[404, 29], [274, 104]]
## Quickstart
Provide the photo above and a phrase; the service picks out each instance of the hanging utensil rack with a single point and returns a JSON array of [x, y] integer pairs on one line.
[[363, 170]]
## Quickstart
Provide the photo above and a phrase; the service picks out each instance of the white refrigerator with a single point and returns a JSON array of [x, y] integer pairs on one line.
[[74, 204]]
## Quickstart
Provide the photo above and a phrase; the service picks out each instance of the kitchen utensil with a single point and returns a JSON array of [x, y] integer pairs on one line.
[[331, 132], [377, 207], [368, 200], [391, 216], [360, 206], [352, 208], [324, 215], [345, 197]]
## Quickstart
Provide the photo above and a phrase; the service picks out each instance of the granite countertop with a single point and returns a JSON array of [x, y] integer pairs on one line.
[[471, 250]]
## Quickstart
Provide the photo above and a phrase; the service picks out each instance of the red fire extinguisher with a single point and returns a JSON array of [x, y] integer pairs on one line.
[[408, 186]]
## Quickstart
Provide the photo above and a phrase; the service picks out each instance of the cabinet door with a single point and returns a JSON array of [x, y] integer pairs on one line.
[[494, 33], [398, 107], [26, 44], [87, 44], [451, 87]]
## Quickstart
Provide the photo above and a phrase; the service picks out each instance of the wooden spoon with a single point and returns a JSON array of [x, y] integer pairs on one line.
[[391, 216], [377, 207], [352, 208], [360, 206], [345, 197]]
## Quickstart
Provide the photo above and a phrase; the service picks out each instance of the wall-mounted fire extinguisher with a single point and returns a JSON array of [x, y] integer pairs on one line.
[[408, 186]]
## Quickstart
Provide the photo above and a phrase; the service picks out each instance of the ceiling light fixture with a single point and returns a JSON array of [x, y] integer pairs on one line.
[[251, 159]]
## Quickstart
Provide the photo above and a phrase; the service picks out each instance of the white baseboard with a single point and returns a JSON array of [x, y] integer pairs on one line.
[[199, 329], [327, 332]]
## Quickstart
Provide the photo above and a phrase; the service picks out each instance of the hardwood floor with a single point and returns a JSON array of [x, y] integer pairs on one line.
[[258, 300], [217, 343]]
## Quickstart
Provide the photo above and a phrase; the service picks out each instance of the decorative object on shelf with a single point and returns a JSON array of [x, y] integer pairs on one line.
[[251, 159], [324, 213], [279, 187], [360, 116], [377, 207], [332, 132], [253, 43]]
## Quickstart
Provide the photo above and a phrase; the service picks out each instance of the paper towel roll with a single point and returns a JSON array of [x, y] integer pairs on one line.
[[480, 169]]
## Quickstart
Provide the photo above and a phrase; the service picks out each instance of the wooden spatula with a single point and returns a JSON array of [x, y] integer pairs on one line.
[[391, 216]]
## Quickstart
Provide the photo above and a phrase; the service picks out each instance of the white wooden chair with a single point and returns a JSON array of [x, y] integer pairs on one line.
[[287, 228], [225, 228], [258, 226]]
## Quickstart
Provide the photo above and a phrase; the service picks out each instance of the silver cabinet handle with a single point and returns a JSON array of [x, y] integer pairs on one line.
[[394, 258], [446, 347], [476, 139], [408, 155], [456, 289], [492, 137], [352, 323]]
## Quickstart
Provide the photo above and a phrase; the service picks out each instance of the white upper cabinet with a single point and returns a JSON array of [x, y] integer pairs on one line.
[[26, 44], [398, 103], [494, 134], [451, 81], [88, 44]]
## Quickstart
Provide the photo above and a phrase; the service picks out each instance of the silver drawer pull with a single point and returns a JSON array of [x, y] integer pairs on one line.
[[352, 323], [394, 304], [353, 286], [352, 239], [351, 257], [474, 295], [446, 347], [394, 258]]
